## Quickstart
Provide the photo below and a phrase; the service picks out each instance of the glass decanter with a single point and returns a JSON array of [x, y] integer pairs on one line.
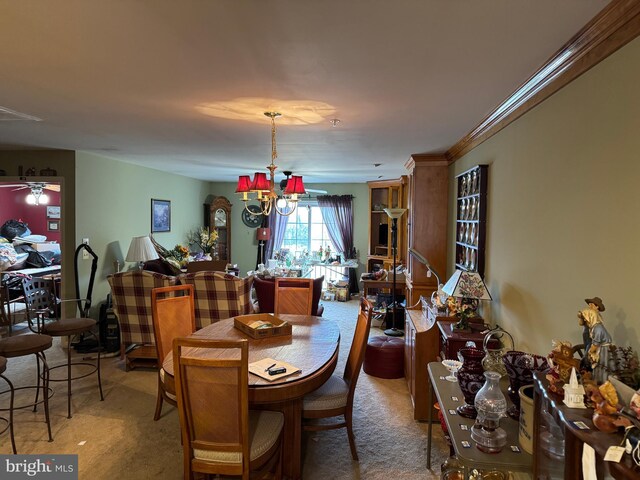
[[491, 405]]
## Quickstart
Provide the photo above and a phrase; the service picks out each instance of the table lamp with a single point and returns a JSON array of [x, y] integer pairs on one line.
[[141, 250], [394, 214], [470, 288]]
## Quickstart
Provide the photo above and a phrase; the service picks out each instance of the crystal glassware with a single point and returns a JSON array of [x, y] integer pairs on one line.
[[520, 367], [491, 405], [470, 378]]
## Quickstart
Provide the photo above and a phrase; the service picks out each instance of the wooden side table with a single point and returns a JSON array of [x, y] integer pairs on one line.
[[453, 340]]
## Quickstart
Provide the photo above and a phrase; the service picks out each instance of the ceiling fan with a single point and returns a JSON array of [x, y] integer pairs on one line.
[[283, 184], [37, 195]]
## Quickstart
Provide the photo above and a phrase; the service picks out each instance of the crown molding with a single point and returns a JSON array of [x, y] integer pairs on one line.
[[615, 26]]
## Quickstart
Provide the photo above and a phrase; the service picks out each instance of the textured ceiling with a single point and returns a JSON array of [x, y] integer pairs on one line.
[[133, 80]]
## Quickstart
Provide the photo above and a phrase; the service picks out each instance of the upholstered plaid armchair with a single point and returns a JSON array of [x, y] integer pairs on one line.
[[218, 295]]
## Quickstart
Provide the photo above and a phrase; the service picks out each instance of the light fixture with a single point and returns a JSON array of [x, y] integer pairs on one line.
[[394, 214], [470, 288], [264, 188], [141, 250], [37, 196]]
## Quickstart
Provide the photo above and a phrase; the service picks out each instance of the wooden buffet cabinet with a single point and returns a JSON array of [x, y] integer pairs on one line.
[[421, 340], [427, 222]]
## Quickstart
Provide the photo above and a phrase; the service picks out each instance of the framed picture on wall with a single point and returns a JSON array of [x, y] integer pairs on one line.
[[53, 225], [160, 215], [53, 211]]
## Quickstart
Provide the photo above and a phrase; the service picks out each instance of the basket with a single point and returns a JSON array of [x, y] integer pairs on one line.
[[243, 322]]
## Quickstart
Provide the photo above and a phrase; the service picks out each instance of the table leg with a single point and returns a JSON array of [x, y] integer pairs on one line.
[[429, 420]]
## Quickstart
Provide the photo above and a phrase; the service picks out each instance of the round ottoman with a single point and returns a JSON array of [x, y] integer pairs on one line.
[[384, 357]]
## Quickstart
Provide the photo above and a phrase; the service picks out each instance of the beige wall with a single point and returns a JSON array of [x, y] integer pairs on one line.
[[245, 246], [564, 209], [115, 205]]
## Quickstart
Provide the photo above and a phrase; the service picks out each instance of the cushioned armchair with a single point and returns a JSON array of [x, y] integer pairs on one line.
[[266, 292], [218, 295], [131, 293]]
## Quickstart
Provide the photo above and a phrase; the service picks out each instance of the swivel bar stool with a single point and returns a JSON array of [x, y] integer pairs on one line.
[[19, 346], [3, 367], [68, 327]]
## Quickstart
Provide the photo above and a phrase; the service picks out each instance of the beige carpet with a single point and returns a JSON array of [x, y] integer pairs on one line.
[[118, 438]]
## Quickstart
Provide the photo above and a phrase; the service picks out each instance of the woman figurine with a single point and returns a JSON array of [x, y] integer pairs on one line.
[[597, 339]]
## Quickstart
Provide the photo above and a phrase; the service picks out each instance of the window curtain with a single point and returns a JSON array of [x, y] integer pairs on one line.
[[278, 224], [337, 215]]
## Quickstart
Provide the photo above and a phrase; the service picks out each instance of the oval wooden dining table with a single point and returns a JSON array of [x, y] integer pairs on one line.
[[312, 347]]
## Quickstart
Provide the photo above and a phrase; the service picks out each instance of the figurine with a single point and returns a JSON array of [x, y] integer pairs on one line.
[[574, 392], [605, 400], [597, 339], [561, 361]]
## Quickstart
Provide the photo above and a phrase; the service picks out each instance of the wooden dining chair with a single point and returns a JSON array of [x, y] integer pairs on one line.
[[294, 296], [335, 397], [173, 316], [220, 435]]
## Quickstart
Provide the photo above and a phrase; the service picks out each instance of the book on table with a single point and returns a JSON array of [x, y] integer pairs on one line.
[[262, 368]]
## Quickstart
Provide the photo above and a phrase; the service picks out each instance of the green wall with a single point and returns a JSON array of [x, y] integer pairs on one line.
[[245, 246], [114, 205], [563, 209]]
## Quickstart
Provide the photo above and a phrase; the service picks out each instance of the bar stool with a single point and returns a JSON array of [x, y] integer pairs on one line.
[[19, 346], [3, 367], [70, 327], [40, 300]]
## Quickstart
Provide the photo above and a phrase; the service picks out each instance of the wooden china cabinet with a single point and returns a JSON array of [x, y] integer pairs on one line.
[[427, 222], [217, 215], [386, 194]]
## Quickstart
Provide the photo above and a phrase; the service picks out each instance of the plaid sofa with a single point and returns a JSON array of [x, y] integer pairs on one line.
[[217, 296]]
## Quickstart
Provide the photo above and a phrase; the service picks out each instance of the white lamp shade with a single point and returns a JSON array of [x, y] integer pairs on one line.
[[466, 285], [395, 213], [141, 250]]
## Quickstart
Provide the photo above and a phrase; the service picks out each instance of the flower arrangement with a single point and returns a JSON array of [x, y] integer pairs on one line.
[[281, 255], [178, 256], [203, 238]]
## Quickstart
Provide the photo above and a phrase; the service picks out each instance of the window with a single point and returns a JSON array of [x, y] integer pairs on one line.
[[306, 230]]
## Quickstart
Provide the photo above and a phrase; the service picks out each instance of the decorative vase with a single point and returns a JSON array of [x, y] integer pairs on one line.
[[471, 379], [491, 406], [520, 367]]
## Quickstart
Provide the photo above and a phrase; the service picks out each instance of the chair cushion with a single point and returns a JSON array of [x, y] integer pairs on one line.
[[218, 295], [332, 394], [264, 430], [3, 364], [266, 293], [68, 326], [168, 387], [21, 345]]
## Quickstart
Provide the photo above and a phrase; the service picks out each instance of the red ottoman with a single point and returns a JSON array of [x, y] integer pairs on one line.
[[384, 357]]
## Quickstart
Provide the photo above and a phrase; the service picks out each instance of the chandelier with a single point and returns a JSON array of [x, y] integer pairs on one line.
[[262, 188]]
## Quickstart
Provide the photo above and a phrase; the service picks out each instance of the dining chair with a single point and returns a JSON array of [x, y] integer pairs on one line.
[[220, 435], [293, 295], [335, 397], [173, 315]]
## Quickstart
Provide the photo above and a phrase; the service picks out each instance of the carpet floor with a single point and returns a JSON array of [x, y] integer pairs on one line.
[[118, 438]]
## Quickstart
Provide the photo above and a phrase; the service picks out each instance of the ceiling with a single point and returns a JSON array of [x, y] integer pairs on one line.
[[133, 80]]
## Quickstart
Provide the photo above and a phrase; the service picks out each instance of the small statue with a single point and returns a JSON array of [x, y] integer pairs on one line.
[[561, 361], [596, 337], [606, 407]]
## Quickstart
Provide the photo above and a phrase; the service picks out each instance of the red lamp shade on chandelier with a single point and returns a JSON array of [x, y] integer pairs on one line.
[[263, 186]]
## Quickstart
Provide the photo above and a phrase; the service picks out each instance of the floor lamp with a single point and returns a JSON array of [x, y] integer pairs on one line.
[[262, 234], [394, 214]]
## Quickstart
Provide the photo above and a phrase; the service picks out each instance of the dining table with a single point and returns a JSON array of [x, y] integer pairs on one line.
[[312, 347]]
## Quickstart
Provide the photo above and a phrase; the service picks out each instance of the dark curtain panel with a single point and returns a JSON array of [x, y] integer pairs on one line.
[[278, 224], [337, 214]]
